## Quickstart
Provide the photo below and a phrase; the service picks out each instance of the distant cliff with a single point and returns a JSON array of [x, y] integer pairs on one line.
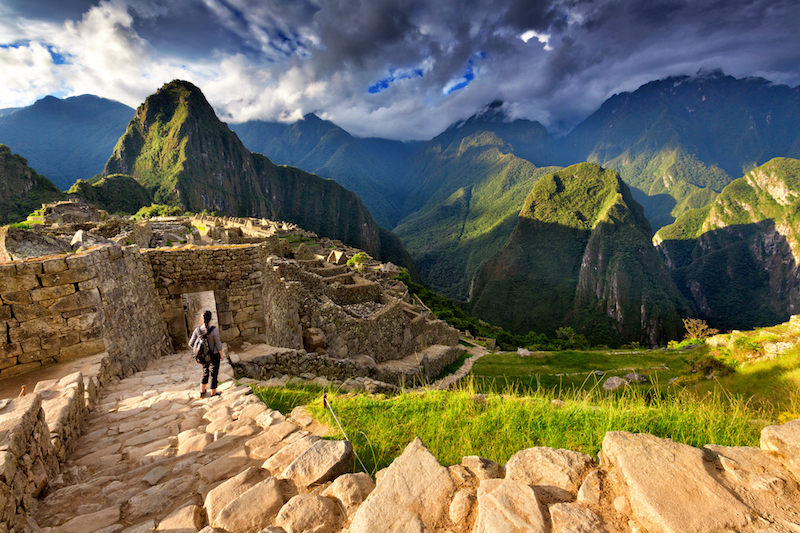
[[738, 259], [580, 256], [22, 190], [178, 149]]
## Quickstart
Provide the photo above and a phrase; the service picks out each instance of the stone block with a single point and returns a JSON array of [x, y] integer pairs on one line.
[[8, 270], [309, 512], [84, 321], [37, 356], [31, 344], [5, 312], [75, 275], [18, 283], [51, 266], [19, 369], [78, 300], [227, 335], [80, 261], [51, 293], [11, 349], [81, 349], [225, 318], [37, 328], [508, 505], [23, 297], [415, 488], [24, 313], [26, 269], [92, 284], [59, 341], [91, 334]]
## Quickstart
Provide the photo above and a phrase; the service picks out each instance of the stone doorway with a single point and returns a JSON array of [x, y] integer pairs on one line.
[[194, 305]]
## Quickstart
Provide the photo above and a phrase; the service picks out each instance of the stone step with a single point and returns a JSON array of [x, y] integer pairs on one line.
[[418, 368]]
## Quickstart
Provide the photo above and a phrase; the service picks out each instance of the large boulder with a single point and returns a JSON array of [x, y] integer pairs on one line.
[[412, 494], [574, 518], [350, 491], [309, 513], [555, 475], [324, 461], [508, 505], [758, 478], [784, 440], [187, 519], [17, 244], [255, 509], [223, 494], [695, 501]]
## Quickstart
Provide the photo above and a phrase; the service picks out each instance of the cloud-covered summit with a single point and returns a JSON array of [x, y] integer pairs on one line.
[[393, 68]]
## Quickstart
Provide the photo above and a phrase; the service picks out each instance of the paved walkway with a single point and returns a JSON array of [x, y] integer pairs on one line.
[[149, 448]]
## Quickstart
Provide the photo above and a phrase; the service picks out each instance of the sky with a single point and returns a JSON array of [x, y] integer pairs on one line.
[[399, 69]]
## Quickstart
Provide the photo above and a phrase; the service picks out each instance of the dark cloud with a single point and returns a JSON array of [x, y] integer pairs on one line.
[[400, 68]]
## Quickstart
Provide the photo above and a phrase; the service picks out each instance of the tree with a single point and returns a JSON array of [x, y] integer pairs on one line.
[[697, 329]]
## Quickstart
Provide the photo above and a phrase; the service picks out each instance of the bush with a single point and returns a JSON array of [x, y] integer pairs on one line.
[[697, 329], [157, 210]]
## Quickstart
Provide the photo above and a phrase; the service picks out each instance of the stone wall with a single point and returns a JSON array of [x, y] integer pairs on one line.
[[59, 308], [234, 273], [26, 458], [282, 306]]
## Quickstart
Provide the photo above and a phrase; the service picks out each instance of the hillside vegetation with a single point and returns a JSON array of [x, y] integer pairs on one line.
[[117, 193], [22, 189], [680, 140], [580, 255], [738, 257]]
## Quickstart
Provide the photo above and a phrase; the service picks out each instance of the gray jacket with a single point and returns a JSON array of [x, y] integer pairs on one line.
[[213, 339]]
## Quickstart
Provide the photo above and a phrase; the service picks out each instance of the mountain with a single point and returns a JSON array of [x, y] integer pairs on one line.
[[67, 139], [470, 186], [680, 140], [372, 168], [738, 258], [117, 193], [580, 255], [177, 148], [22, 190]]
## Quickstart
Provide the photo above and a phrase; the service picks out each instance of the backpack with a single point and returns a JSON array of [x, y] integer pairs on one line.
[[202, 350]]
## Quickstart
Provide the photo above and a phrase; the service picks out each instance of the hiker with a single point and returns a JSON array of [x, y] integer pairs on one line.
[[215, 344]]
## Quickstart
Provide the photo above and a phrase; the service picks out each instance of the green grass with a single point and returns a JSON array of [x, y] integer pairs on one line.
[[566, 370], [458, 423]]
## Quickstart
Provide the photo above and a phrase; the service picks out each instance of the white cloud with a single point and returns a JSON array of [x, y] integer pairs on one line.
[[543, 38]]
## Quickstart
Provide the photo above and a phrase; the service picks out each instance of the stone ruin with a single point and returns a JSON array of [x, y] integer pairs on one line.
[[285, 301]]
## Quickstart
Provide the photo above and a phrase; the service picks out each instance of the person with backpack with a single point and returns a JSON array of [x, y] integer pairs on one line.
[[207, 348]]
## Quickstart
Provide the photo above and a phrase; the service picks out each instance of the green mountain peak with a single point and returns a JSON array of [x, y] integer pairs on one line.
[[580, 256]]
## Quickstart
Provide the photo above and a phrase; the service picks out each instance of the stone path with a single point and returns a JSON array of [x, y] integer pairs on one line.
[[152, 447], [475, 352]]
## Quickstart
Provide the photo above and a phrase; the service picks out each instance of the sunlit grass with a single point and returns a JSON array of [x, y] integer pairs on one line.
[[453, 424]]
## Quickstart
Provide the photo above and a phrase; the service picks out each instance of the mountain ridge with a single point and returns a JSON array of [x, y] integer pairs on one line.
[[580, 256], [178, 149]]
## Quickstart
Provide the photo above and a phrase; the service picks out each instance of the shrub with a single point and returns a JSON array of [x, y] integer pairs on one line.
[[358, 261], [697, 329]]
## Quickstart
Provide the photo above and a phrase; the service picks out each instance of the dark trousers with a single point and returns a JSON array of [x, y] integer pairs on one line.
[[212, 367]]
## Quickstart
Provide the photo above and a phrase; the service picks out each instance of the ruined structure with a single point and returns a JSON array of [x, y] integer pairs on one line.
[[277, 288]]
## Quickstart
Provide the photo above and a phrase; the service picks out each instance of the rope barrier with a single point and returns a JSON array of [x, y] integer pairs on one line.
[[327, 404]]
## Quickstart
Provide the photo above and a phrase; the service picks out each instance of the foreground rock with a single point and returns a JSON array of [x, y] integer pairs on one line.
[[696, 501], [412, 494]]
